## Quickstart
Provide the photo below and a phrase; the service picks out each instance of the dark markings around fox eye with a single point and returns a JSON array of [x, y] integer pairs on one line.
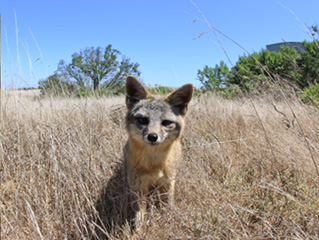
[[143, 120], [166, 123]]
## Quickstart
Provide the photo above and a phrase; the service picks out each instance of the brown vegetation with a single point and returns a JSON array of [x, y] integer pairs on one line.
[[249, 171]]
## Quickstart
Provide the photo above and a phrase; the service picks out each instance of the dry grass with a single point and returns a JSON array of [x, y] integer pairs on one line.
[[61, 171]]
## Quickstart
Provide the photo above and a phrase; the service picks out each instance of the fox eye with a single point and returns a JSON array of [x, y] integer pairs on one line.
[[166, 123], [143, 120]]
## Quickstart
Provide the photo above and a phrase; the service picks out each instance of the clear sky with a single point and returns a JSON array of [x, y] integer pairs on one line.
[[161, 35]]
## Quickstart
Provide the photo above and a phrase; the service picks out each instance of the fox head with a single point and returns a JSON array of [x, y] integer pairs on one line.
[[153, 120]]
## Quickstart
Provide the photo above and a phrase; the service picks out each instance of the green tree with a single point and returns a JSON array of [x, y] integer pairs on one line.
[[283, 64], [247, 72], [213, 78], [256, 69], [98, 68], [309, 63]]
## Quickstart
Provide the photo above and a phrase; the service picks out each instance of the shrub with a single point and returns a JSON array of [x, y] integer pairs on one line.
[[56, 85], [160, 90], [310, 95], [96, 93]]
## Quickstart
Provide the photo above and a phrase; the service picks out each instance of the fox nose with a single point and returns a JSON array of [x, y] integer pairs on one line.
[[152, 137]]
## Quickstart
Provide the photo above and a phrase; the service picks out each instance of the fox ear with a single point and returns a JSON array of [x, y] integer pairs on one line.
[[180, 99], [135, 91]]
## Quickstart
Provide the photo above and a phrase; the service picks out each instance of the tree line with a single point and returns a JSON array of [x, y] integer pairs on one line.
[[255, 70], [264, 70], [260, 71], [102, 71]]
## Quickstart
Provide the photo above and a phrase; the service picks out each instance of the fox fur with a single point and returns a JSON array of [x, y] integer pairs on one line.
[[153, 150]]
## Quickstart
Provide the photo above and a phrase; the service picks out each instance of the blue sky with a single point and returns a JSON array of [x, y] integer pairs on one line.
[[158, 34]]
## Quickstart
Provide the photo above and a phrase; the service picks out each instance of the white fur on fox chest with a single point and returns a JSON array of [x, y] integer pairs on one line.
[[153, 179], [144, 180]]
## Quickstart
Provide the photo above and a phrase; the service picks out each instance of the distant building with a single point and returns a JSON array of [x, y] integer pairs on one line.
[[276, 47]]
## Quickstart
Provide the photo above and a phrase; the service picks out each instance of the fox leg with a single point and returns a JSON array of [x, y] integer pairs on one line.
[[167, 192], [140, 209]]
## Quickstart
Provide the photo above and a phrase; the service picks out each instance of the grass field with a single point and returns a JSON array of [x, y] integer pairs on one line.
[[249, 171]]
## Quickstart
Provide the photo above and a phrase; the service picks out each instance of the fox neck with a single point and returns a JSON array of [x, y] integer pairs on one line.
[[150, 158]]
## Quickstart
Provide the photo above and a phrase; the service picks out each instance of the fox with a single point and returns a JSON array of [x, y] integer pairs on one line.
[[155, 125]]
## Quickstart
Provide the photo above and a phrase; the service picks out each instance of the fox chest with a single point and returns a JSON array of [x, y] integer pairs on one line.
[[144, 180], [150, 167], [153, 179]]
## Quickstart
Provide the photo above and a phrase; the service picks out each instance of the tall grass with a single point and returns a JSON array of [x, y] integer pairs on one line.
[[61, 174], [250, 170]]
